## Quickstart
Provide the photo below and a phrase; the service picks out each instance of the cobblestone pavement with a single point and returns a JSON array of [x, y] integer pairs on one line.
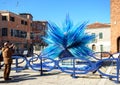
[[55, 77]]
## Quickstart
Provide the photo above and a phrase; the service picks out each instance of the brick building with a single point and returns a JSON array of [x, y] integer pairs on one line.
[[115, 25], [16, 29], [38, 29]]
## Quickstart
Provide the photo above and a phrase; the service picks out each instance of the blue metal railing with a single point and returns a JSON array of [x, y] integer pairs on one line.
[[69, 65]]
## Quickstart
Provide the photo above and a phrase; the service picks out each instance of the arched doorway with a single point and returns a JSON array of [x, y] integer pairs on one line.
[[94, 47], [118, 44]]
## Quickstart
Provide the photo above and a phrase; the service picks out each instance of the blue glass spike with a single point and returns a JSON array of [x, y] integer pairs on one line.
[[67, 41]]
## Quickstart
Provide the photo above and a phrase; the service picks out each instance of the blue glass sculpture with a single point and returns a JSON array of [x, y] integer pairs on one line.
[[67, 41], [71, 42]]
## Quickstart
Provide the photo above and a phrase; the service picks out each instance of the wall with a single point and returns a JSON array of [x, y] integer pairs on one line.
[[115, 23]]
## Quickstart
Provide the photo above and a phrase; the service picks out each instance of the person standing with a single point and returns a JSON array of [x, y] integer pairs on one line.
[[7, 52]]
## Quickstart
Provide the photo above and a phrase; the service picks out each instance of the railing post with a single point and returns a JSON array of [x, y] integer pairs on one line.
[[16, 63], [41, 69], [27, 65], [73, 75], [118, 67]]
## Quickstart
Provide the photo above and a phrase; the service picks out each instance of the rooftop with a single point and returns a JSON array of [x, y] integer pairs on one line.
[[98, 25]]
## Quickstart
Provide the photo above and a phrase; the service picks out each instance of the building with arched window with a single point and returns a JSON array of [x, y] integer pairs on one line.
[[103, 34]]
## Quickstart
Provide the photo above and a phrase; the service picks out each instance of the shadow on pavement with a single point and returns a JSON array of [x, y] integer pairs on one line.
[[50, 73], [19, 78]]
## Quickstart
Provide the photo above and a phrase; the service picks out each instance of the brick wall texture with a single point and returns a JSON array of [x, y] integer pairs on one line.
[[115, 25]]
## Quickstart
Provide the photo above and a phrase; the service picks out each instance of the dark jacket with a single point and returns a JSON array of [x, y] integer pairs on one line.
[[7, 55]]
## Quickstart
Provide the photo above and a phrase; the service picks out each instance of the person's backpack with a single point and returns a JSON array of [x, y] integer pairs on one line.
[[1, 57]]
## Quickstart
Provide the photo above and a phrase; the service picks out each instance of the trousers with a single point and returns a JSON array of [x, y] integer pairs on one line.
[[7, 71]]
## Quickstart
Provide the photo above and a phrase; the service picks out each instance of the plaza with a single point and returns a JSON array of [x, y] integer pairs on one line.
[[56, 77], [26, 34]]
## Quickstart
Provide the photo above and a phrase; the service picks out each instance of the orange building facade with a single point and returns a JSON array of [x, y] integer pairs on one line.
[[16, 29], [115, 25], [21, 30]]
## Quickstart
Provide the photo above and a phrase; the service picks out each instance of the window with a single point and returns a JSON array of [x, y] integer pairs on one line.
[[4, 18], [101, 35], [23, 34], [12, 32], [25, 22], [12, 19], [31, 24], [95, 40], [18, 33], [15, 33], [22, 21], [4, 31], [31, 35]]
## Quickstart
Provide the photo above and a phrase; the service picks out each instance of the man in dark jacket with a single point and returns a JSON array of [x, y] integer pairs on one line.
[[7, 52]]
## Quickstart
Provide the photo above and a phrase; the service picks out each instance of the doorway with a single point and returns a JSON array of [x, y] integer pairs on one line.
[[118, 44]]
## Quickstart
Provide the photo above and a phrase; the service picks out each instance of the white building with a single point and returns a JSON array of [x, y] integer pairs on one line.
[[102, 42]]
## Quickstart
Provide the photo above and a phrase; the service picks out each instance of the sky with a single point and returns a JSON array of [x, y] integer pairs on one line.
[[56, 10]]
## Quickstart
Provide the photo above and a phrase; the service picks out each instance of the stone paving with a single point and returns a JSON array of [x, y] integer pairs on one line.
[[56, 77]]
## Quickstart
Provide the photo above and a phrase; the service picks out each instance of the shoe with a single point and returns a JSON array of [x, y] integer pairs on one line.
[[8, 79]]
